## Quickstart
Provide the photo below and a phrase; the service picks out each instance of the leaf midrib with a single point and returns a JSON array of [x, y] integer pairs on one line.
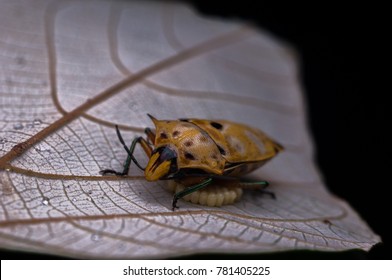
[[206, 46]]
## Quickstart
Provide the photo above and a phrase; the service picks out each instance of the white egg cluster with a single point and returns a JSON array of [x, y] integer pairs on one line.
[[213, 195]]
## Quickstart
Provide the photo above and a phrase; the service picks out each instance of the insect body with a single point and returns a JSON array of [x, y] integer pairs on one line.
[[200, 152]]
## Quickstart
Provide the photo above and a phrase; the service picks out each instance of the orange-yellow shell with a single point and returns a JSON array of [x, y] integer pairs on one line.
[[217, 147]]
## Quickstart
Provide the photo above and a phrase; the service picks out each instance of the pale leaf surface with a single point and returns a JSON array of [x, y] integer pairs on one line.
[[71, 70]]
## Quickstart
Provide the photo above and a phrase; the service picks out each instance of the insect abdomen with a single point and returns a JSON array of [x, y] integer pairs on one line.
[[239, 143]]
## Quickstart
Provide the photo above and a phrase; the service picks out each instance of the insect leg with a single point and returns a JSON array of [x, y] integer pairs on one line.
[[260, 185], [146, 147], [189, 190]]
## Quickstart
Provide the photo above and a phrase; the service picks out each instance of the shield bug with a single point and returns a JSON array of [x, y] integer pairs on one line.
[[196, 153]]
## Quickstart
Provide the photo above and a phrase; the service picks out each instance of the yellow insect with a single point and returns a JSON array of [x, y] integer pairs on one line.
[[197, 153]]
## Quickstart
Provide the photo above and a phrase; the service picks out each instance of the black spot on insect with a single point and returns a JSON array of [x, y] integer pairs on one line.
[[214, 156], [176, 133], [188, 143], [189, 156], [327, 222], [221, 150], [216, 125], [163, 135], [184, 120]]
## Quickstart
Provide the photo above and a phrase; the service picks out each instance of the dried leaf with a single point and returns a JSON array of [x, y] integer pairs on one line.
[[71, 70]]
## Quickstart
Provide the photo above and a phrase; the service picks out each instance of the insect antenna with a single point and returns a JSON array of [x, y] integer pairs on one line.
[[129, 151]]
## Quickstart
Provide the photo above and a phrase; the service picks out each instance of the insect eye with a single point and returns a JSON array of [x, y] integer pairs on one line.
[[166, 153]]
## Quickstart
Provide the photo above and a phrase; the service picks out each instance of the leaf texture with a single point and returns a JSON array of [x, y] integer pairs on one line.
[[72, 69]]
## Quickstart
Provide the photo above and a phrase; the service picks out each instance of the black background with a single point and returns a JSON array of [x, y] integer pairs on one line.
[[347, 116], [341, 51]]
